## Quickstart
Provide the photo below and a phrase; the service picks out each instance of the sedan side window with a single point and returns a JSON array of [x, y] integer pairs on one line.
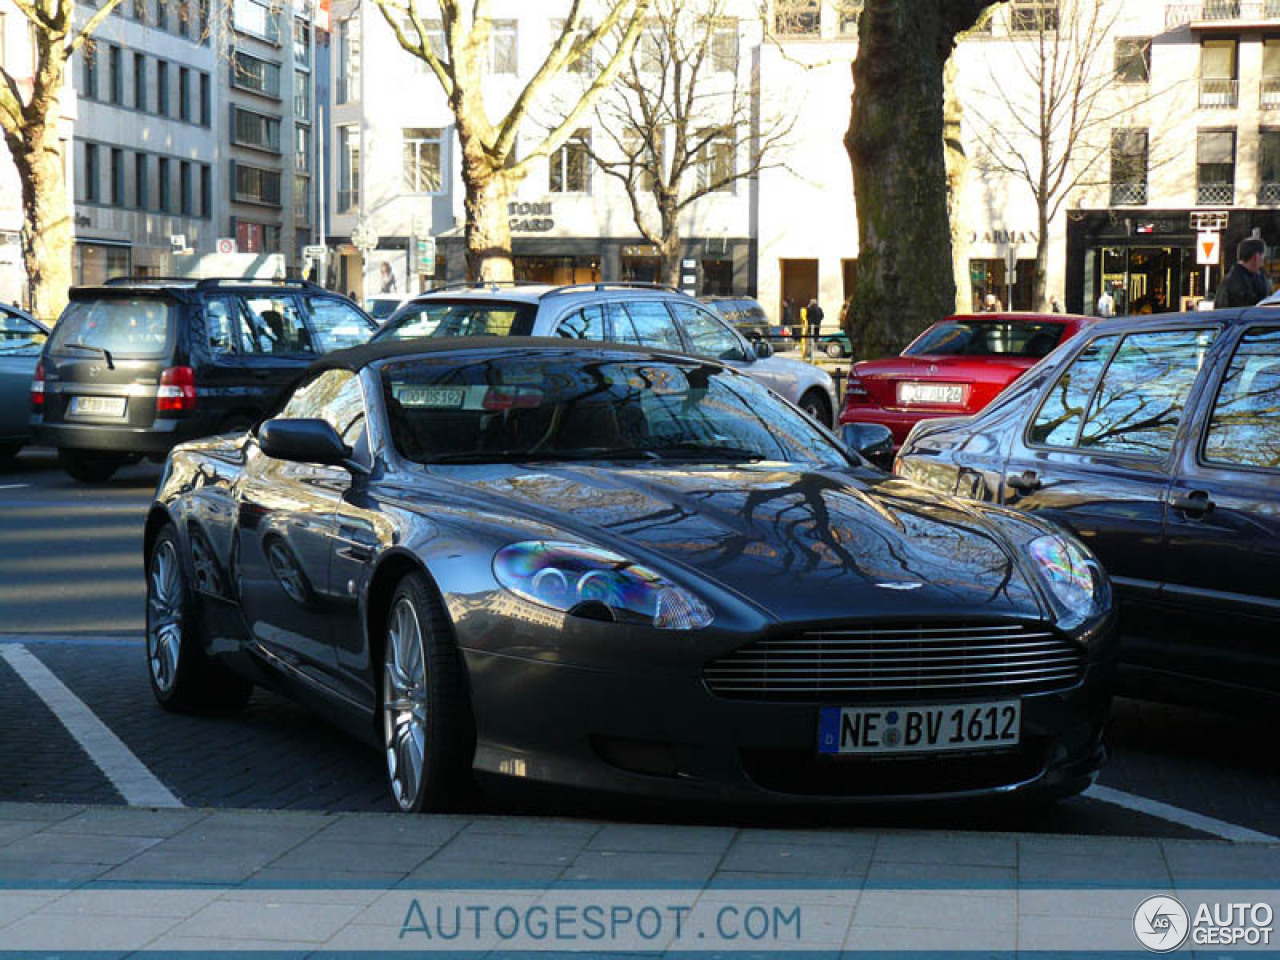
[[1139, 404], [1244, 429], [710, 337], [651, 325], [17, 334], [274, 326], [1058, 422], [584, 324]]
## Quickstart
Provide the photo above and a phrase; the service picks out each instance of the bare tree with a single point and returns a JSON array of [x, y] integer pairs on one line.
[[683, 121], [1051, 106], [490, 168], [895, 145], [30, 112]]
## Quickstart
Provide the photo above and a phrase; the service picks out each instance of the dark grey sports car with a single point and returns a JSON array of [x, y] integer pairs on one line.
[[621, 570]]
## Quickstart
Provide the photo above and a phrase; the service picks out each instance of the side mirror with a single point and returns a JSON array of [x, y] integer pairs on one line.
[[871, 441], [304, 441], [764, 349]]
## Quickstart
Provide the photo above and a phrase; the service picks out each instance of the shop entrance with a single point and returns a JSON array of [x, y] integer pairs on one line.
[[1151, 279]]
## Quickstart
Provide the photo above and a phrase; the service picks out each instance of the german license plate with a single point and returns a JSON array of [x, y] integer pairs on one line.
[[917, 729], [98, 406], [909, 393], [414, 396]]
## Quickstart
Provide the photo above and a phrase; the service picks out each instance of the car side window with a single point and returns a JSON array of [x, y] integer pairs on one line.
[[274, 326], [337, 324], [651, 325], [1244, 429], [1138, 406], [222, 324], [333, 396], [584, 324], [1058, 422], [18, 335], [707, 334]]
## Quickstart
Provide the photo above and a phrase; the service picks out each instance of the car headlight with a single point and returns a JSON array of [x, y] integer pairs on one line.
[[1076, 581], [575, 578]]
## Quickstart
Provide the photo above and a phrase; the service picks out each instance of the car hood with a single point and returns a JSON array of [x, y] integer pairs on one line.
[[799, 543], [795, 369]]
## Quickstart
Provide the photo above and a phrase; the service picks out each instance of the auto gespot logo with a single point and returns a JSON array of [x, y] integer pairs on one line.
[[1162, 924]]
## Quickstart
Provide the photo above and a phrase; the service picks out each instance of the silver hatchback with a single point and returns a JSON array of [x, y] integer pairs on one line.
[[644, 314]]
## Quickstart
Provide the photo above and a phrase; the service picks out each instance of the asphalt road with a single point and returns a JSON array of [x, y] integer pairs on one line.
[[71, 603]]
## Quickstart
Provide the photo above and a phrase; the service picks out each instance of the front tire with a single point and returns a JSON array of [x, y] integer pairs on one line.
[[427, 730], [89, 467], [182, 676], [815, 405], [834, 350]]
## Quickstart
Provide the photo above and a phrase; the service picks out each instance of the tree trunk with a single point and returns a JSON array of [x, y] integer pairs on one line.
[[905, 276], [670, 248], [488, 228], [1040, 299], [957, 174]]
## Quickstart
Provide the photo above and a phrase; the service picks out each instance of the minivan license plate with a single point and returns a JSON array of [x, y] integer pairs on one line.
[[98, 406], [919, 729], [909, 393]]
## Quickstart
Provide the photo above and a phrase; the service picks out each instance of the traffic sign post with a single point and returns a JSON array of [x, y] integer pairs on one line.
[[315, 251], [1208, 249], [225, 245], [427, 256]]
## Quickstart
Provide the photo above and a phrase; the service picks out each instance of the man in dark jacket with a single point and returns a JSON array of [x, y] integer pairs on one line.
[[1245, 285]]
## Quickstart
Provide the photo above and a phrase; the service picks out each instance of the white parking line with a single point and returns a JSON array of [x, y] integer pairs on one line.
[[14, 486], [1187, 818], [136, 783]]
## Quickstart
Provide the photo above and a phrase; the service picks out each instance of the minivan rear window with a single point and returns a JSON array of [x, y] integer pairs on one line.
[[138, 327]]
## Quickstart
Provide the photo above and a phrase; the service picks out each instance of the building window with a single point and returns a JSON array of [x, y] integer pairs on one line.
[[348, 61], [1270, 92], [117, 177], [644, 156], [162, 175], [162, 14], [206, 109], [91, 172], [584, 63], [140, 198], [797, 18], [715, 164], [1218, 83], [184, 93], [301, 148], [1128, 167], [184, 188], [255, 185], [140, 11], [257, 76], [184, 17], [1033, 16], [848, 13], [502, 46], [89, 61], [301, 198], [571, 165], [206, 190], [421, 152], [249, 129], [256, 19], [115, 75], [1269, 167], [302, 96], [648, 54], [1216, 167], [1133, 59], [348, 168], [140, 81], [724, 45], [162, 88], [302, 44]]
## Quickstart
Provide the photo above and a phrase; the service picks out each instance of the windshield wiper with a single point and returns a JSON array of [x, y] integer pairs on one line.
[[102, 351]]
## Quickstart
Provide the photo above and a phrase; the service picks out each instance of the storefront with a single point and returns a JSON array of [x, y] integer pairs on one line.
[[97, 261]]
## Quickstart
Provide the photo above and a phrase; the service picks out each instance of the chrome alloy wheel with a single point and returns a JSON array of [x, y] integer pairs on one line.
[[164, 615], [404, 704]]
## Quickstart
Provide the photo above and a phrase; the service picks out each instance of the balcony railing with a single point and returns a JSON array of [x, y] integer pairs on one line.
[[1215, 193], [1218, 94], [1269, 194], [1209, 11], [1269, 95], [1126, 194]]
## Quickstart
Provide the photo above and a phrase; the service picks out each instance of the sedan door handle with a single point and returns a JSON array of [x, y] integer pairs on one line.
[[1195, 503], [1026, 482]]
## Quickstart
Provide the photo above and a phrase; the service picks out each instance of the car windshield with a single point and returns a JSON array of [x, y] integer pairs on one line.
[[381, 309], [460, 318], [136, 327], [983, 338], [533, 405]]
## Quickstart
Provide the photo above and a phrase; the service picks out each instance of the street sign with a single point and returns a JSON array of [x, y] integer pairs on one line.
[[1011, 265], [1208, 249], [364, 237], [427, 255], [315, 251], [226, 245], [178, 241]]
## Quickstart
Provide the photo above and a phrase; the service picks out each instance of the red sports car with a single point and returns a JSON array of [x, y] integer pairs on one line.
[[953, 369]]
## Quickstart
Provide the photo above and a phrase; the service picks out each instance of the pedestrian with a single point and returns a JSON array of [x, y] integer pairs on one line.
[[1106, 304], [1054, 305], [812, 323], [788, 313], [1245, 285], [992, 304]]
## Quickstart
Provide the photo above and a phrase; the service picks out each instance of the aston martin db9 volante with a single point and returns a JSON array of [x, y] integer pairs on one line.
[[623, 570]]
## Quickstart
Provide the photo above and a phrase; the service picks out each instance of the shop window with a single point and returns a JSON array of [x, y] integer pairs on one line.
[[990, 278], [717, 278]]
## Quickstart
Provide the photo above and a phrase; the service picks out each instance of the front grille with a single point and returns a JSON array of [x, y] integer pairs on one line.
[[911, 663]]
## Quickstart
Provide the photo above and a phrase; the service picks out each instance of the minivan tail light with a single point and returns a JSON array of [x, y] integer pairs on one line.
[[37, 386], [177, 390]]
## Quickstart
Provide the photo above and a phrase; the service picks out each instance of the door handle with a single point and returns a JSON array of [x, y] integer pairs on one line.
[[261, 374], [1196, 503], [1026, 482]]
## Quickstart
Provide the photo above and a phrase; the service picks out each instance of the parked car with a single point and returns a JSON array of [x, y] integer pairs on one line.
[[639, 313], [621, 569], [749, 319], [134, 367], [954, 368], [835, 344], [21, 339], [1156, 440], [382, 305]]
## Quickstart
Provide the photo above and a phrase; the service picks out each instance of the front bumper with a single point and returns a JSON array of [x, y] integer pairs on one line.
[[667, 737]]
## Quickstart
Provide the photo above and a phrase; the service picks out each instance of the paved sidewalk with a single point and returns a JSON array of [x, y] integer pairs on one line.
[[120, 880]]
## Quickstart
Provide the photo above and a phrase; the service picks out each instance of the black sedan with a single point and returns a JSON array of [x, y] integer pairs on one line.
[[620, 570], [1155, 440]]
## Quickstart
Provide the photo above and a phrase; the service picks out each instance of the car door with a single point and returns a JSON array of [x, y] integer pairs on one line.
[[227, 384], [284, 532], [276, 343], [21, 341], [1223, 523], [1097, 458]]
